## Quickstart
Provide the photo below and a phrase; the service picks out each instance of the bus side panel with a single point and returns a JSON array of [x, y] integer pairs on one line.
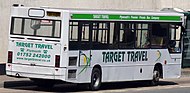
[[114, 70], [85, 76], [114, 64], [76, 63], [172, 70], [117, 73], [171, 64], [143, 72]]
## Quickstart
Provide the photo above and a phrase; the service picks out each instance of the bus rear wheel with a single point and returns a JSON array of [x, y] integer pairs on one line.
[[95, 79]]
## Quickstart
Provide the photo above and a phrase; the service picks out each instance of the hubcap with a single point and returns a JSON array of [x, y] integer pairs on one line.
[[96, 79], [156, 76]]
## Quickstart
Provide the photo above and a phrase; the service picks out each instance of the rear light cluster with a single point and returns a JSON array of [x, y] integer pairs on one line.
[[57, 60], [10, 57]]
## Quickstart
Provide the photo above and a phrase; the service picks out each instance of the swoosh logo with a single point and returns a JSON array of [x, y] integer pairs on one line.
[[86, 62], [158, 55]]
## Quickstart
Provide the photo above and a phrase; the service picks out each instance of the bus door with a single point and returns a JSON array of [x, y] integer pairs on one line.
[[84, 32]]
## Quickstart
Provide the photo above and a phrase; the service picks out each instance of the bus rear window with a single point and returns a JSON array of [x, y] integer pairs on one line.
[[36, 27]]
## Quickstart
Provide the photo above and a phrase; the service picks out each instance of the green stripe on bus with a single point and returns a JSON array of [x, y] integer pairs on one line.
[[125, 17]]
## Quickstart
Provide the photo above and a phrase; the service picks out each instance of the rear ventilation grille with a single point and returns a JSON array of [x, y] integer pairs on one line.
[[72, 74]]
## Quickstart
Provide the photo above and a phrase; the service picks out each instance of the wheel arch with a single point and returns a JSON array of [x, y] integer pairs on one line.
[[159, 66], [99, 67]]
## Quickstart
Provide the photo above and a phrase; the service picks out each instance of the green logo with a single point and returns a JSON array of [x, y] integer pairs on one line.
[[159, 54], [86, 61]]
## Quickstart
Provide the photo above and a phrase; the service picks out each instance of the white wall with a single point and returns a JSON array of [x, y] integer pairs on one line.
[[5, 6]]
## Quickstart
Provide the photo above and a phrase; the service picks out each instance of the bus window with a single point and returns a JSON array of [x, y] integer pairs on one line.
[[36, 27], [127, 39], [79, 35], [111, 36], [100, 33], [85, 35], [174, 38], [73, 36], [16, 26], [114, 35], [142, 36], [159, 35], [89, 35]]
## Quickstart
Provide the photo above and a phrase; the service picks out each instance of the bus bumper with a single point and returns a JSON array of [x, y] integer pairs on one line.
[[18, 70]]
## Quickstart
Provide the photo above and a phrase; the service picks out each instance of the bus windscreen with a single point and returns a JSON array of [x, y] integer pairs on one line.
[[36, 27]]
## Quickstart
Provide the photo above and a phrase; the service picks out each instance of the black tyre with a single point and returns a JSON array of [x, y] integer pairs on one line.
[[156, 76], [43, 83], [96, 79]]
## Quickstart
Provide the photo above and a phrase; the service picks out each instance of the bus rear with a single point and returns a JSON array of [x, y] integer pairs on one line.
[[35, 44]]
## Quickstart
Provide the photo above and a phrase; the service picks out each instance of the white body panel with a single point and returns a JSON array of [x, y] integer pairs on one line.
[[130, 70]]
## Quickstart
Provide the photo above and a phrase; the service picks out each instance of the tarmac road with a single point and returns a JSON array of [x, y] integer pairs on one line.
[[24, 85]]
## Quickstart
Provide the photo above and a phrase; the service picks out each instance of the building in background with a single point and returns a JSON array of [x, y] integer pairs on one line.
[[145, 5]]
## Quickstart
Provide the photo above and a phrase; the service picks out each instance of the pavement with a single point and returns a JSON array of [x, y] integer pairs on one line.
[[185, 72], [6, 81]]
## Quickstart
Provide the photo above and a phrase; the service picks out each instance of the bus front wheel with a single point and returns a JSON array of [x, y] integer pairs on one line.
[[156, 76], [95, 79]]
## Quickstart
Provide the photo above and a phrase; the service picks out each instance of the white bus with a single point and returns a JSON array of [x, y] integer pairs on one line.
[[93, 46]]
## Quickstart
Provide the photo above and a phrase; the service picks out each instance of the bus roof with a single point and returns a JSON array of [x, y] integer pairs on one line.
[[107, 15]]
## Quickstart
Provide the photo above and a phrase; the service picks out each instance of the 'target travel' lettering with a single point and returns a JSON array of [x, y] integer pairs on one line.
[[119, 56], [113, 56], [137, 56], [31, 45]]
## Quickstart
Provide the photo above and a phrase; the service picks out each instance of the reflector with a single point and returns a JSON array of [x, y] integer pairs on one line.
[[10, 56], [57, 60]]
